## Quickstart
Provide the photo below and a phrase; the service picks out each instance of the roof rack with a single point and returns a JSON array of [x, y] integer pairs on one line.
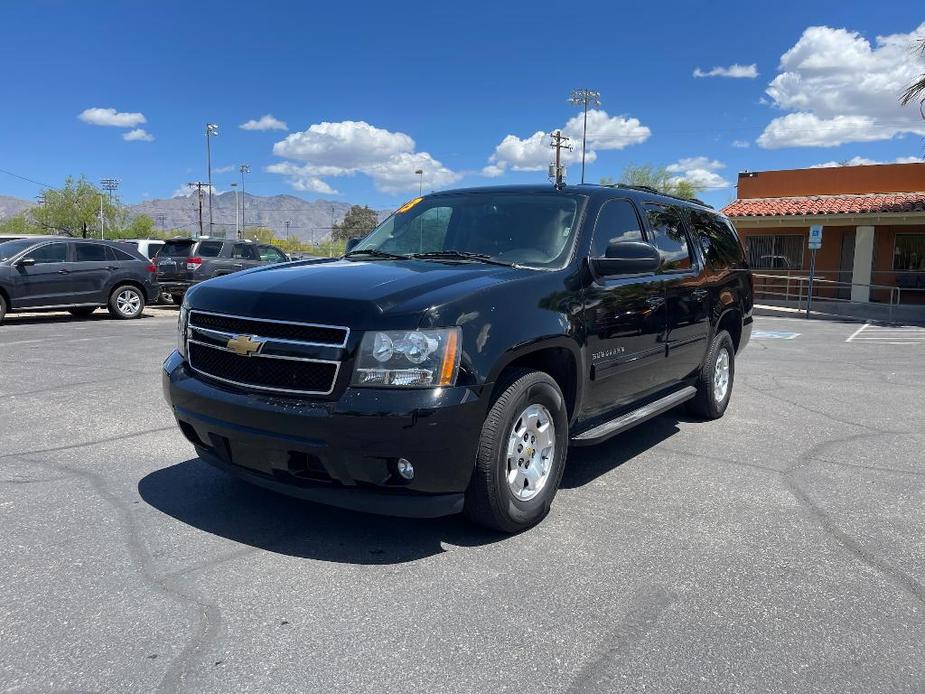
[[656, 191], [646, 189]]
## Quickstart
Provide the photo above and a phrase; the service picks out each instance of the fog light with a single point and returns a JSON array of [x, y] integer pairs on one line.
[[405, 469]]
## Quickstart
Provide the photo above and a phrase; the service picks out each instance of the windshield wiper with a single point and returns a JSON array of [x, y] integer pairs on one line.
[[462, 255], [375, 252]]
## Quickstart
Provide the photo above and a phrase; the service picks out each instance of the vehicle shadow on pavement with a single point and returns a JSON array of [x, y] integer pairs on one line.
[[587, 463], [200, 496], [100, 316]]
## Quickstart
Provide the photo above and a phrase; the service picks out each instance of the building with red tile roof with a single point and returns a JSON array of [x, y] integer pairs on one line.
[[873, 219]]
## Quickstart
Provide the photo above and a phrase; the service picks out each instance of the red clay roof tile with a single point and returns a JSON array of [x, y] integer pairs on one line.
[[872, 203]]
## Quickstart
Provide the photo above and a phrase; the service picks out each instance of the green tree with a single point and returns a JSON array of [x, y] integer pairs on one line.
[[20, 224], [140, 227], [358, 222], [260, 235], [75, 210], [657, 177], [916, 90]]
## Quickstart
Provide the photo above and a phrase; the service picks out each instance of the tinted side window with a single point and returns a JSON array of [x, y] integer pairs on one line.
[[245, 251], [271, 254], [121, 255], [666, 233], [209, 249], [52, 253], [719, 244], [90, 252], [617, 221]]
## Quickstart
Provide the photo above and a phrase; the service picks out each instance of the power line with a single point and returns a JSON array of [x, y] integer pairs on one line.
[[24, 178]]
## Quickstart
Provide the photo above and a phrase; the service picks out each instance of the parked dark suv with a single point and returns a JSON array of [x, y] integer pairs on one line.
[[181, 263], [53, 272], [450, 359]]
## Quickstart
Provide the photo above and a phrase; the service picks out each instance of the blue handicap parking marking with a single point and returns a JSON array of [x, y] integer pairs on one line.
[[773, 335]]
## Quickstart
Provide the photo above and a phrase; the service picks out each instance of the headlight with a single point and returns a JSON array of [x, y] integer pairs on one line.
[[181, 329], [408, 358]]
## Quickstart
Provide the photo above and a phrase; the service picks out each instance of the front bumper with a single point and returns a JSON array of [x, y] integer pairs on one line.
[[340, 452]]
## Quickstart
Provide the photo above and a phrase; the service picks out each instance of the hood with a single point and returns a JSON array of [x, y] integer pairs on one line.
[[358, 293]]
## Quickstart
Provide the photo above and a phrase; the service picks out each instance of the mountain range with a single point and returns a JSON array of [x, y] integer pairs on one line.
[[308, 219]]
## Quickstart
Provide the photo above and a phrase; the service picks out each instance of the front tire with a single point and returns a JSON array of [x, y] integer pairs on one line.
[[126, 302], [714, 382], [521, 455], [3, 308]]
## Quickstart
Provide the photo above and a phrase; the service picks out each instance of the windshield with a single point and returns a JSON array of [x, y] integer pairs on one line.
[[176, 250], [8, 249], [533, 229]]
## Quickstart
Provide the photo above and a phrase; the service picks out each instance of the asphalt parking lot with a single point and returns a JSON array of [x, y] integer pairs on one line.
[[779, 549]]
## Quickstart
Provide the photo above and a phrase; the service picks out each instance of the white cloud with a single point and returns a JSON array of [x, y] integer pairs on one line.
[[265, 122], [350, 147], [224, 169], [138, 135], [187, 191], [112, 118], [533, 153], [735, 71], [699, 171], [864, 161], [840, 88], [396, 174], [347, 145], [741, 144]]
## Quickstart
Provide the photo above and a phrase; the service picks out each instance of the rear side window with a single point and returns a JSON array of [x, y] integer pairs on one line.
[[616, 222], [717, 239], [271, 254], [90, 252], [666, 233], [245, 251], [118, 254], [50, 253], [209, 249]]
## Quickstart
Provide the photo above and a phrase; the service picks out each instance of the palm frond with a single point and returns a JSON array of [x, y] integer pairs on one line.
[[916, 91]]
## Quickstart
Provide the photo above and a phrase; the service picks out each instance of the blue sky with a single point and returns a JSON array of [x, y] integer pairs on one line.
[[370, 92]]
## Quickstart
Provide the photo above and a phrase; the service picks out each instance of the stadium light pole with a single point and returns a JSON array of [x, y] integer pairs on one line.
[[211, 131], [420, 173], [237, 229], [245, 169], [585, 98]]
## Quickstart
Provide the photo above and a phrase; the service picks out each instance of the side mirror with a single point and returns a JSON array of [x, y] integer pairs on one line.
[[351, 244], [627, 258], [25, 262]]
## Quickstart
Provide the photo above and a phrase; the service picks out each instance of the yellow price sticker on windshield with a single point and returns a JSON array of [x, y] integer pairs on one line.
[[408, 205]]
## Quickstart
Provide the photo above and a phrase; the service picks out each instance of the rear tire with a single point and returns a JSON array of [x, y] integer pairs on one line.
[[714, 382], [82, 311], [126, 302], [3, 308], [177, 298], [521, 454]]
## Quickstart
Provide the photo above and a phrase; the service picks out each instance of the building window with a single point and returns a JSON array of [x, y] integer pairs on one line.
[[780, 252], [909, 253]]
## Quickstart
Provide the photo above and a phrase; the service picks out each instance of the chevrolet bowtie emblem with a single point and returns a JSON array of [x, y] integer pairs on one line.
[[244, 345]]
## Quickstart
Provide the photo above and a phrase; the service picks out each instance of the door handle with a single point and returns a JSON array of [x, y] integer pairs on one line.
[[700, 293], [239, 264], [655, 301], [111, 267], [62, 271]]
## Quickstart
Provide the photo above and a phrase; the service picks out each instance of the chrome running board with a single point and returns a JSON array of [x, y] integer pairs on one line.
[[615, 426]]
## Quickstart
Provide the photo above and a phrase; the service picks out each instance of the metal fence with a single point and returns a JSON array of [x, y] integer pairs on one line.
[[793, 289]]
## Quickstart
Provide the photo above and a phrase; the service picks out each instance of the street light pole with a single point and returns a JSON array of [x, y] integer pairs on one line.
[[584, 97], [237, 229], [245, 169], [211, 131], [102, 220]]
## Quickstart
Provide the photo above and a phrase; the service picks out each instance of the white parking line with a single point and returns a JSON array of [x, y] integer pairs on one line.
[[889, 335]]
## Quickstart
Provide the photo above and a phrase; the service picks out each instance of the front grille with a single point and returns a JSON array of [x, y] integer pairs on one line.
[[264, 372], [299, 332]]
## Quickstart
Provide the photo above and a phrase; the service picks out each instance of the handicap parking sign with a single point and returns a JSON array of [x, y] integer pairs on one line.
[[815, 236]]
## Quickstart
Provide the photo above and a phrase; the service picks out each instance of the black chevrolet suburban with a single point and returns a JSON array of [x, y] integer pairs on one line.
[[449, 360]]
